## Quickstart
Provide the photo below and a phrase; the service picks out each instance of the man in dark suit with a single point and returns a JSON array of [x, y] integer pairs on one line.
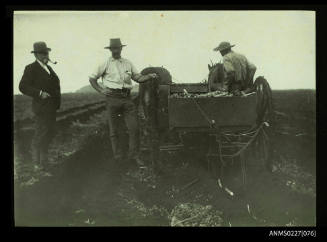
[[40, 82]]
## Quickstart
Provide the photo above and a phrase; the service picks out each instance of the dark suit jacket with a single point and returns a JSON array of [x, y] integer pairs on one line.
[[35, 79]]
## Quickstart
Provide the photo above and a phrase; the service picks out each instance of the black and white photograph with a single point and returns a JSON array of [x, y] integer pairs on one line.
[[164, 118]]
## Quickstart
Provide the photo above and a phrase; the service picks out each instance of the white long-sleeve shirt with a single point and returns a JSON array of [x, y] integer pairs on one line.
[[115, 73], [238, 64]]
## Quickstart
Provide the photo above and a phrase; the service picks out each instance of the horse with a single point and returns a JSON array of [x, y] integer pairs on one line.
[[149, 90], [149, 100], [216, 77]]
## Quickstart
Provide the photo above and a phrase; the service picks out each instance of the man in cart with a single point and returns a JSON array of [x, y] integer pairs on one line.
[[239, 72]]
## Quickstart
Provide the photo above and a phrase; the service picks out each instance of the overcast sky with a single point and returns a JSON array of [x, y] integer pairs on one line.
[[280, 43]]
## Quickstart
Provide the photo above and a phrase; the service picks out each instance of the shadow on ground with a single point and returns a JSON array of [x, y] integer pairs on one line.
[[87, 190]]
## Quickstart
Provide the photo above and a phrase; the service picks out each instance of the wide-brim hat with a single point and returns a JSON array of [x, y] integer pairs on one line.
[[40, 46], [223, 46], [114, 43]]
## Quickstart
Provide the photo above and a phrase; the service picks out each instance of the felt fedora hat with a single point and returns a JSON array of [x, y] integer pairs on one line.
[[40, 46], [114, 43], [223, 45]]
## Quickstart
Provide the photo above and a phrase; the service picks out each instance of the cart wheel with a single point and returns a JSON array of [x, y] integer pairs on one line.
[[264, 149]]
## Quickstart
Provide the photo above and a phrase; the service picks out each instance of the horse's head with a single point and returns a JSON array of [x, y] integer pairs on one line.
[[149, 90], [216, 76]]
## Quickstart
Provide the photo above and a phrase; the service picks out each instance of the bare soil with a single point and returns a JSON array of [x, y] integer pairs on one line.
[[82, 187]]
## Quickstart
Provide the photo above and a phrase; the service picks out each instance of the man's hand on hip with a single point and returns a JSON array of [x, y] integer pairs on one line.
[[45, 95], [105, 91]]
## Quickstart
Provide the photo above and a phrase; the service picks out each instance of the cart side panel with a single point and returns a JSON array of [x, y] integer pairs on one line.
[[226, 111]]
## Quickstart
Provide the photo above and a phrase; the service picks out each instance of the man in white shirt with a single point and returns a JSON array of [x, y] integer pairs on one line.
[[116, 73]]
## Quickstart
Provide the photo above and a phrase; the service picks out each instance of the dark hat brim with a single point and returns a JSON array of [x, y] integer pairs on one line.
[[220, 49], [109, 47], [36, 51]]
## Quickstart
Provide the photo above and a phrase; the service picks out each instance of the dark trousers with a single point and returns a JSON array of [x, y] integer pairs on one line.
[[45, 130], [118, 104]]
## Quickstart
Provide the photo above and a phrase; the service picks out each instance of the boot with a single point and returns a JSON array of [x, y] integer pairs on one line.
[[44, 158], [139, 162], [117, 164], [158, 167], [36, 159], [35, 152]]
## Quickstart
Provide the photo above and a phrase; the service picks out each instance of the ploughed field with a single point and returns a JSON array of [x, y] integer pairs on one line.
[[22, 103], [82, 187]]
